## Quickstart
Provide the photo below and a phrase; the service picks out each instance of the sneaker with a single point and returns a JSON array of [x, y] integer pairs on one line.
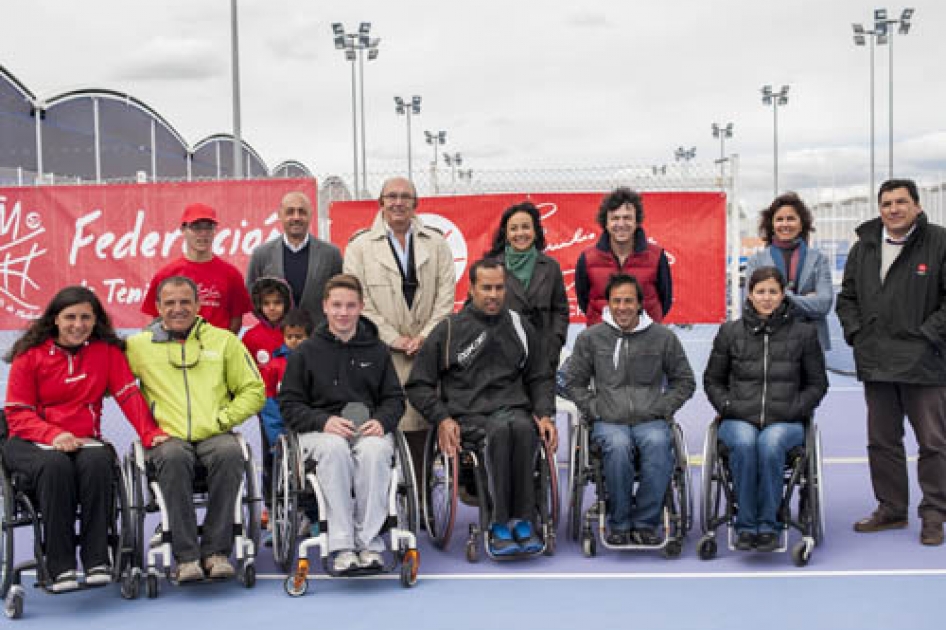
[[524, 534], [189, 572], [501, 542], [345, 561], [746, 541], [98, 575], [618, 537], [218, 567], [879, 521], [931, 533], [65, 581], [646, 536], [368, 559], [766, 542]]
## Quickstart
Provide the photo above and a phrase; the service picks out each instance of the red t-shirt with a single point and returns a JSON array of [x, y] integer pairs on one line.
[[223, 293]]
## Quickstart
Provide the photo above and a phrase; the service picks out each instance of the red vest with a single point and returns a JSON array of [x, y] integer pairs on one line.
[[600, 265]]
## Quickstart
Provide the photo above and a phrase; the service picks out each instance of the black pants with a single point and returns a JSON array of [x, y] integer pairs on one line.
[[509, 450], [61, 482]]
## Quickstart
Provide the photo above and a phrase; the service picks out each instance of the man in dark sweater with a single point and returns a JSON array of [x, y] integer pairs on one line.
[[892, 307], [342, 395], [484, 369]]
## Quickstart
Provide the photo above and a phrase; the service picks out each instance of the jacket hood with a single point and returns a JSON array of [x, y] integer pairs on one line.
[[265, 285], [643, 321], [757, 324], [365, 335]]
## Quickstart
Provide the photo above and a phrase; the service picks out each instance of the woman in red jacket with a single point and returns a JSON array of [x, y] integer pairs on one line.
[[62, 367]]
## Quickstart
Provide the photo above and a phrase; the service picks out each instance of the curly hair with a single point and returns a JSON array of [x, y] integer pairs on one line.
[[45, 327], [616, 199], [499, 240], [767, 217]]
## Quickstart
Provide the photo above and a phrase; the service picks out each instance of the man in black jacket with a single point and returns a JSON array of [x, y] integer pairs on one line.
[[493, 377], [342, 395], [892, 307]]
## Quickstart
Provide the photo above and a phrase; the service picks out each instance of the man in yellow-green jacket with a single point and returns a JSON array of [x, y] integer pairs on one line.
[[200, 383]]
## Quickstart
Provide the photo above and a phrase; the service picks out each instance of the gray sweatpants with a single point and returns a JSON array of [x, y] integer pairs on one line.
[[174, 463], [361, 467]]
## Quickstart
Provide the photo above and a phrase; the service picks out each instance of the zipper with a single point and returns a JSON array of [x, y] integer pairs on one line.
[[187, 390], [765, 374], [630, 385]]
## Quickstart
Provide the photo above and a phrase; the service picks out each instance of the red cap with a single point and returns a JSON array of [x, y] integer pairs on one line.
[[198, 212]]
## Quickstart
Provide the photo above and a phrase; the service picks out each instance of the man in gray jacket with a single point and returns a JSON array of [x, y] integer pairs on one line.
[[300, 258], [641, 378]]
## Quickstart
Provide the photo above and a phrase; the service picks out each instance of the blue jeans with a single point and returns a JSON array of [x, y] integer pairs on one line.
[[757, 462], [652, 445]]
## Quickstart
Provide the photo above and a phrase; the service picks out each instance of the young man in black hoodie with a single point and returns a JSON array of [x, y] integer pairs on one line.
[[484, 369], [342, 396]]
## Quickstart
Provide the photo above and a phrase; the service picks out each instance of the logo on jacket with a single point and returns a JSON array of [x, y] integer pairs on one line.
[[921, 269], [466, 355]]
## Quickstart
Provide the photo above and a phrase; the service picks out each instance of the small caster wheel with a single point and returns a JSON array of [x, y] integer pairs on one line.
[[472, 554], [549, 545], [249, 576], [409, 566], [801, 553], [151, 586], [706, 548], [296, 587], [13, 606], [131, 586], [588, 546], [673, 548]]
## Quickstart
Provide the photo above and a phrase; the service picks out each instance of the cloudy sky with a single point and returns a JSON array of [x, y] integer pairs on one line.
[[517, 83]]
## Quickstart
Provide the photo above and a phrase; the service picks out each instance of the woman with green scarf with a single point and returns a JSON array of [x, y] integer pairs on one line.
[[534, 284]]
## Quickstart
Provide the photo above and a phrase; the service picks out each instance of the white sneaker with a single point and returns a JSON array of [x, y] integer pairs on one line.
[[345, 561], [65, 581], [98, 575], [368, 559]]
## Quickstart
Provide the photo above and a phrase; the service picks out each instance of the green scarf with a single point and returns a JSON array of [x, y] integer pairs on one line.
[[521, 264]]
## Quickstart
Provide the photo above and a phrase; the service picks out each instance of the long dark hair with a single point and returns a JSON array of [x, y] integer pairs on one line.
[[499, 240], [45, 327]]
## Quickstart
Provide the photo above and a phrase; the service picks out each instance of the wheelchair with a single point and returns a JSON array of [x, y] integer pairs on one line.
[[803, 478], [19, 509], [449, 480], [586, 465], [296, 492], [145, 497]]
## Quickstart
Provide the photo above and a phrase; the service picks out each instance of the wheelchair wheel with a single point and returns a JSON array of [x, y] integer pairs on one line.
[[7, 512], [406, 495], [576, 484], [13, 604], [151, 586], [252, 501], [681, 483], [550, 498], [134, 478], [285, 503], [410, 563], [709, 483], [440, 492], [125, 561], [816, 487]]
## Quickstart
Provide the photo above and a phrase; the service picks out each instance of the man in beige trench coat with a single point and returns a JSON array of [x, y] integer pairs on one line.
[[407, 272]]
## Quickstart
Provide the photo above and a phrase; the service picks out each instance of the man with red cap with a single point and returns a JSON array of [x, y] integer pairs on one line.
[[223, 295]]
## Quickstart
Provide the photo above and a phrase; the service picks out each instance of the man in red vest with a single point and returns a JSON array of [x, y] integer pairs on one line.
[[623, 248]]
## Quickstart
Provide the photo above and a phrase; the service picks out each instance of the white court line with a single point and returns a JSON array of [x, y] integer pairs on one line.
[[646, 576]]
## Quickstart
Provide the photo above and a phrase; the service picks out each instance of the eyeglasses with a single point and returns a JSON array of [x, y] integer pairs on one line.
[[202, 226], [395, 197], [186, 355]]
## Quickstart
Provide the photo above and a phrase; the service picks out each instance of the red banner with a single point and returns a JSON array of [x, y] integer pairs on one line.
[[691, 227], [113, 238]]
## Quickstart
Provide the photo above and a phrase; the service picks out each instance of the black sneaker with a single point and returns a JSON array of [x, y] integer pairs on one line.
[[618, 537], [646, 536], [746, 541], [766, 541]]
